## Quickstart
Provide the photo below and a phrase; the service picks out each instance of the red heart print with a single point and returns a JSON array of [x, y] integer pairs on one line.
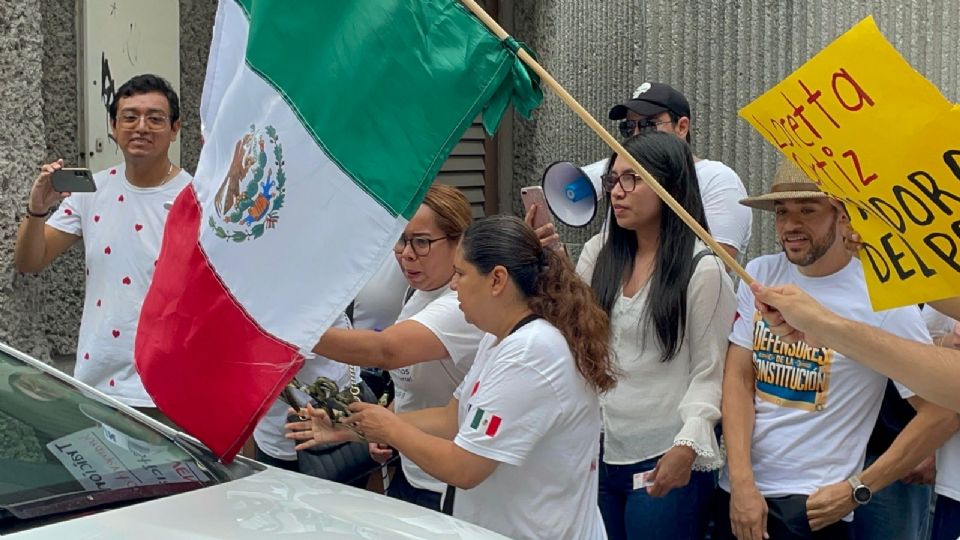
[[68, 212], [120, 198], [137, 227], [86, 356], [113, 382], [126, 280], [116, 333], [98, 302], [107, 250], [113, 171], [96, 219]]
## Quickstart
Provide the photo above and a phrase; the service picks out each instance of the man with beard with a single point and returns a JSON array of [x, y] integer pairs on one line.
[[797, 415]]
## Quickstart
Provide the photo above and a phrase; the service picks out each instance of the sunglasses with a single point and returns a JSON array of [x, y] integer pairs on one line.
[[628, 127]]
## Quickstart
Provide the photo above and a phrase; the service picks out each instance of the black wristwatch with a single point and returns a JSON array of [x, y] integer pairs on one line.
[[861, 492]]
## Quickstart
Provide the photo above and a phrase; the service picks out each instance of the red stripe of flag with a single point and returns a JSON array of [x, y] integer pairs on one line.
[[203, 360], [493, 426]]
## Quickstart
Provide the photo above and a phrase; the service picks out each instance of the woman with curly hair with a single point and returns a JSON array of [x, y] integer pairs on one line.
[[520, 437]]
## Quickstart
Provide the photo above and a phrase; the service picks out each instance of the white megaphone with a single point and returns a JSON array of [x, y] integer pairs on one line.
[[572, 192]]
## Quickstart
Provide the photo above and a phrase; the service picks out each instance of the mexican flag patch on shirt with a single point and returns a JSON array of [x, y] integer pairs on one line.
[[485, 421]]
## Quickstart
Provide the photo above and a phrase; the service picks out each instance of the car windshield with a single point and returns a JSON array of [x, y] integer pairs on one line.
[[62, 448]]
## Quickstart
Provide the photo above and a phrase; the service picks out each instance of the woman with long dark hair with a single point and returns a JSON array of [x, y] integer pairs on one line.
[[519, 438], [671, 306]]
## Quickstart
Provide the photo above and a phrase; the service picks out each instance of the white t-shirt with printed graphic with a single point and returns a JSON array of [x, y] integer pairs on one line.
[[122, 229], [814, 407], [431, 384], [525, 405]]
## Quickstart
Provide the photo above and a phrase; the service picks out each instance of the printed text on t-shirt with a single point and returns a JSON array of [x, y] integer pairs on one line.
[[795, 375]]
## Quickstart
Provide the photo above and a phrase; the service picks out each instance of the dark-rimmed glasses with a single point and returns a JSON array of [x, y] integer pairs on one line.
[[627, 180], [627, 127], [154, 121], [419, 244]]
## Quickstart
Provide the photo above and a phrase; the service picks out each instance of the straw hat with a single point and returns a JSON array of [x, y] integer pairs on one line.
[[789, 182]]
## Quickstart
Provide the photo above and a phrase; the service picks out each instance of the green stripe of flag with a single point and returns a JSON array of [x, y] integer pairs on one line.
[[477, 418], [386, 88]]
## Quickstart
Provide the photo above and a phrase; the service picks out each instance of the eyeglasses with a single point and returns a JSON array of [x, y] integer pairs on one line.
[[153, 121], [420, 244], [627, 127], [627, 180]]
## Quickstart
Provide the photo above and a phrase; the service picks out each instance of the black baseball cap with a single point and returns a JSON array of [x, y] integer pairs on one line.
[[651, 98]]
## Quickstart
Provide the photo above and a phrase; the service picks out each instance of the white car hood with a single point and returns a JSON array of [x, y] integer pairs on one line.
[[269, 504]]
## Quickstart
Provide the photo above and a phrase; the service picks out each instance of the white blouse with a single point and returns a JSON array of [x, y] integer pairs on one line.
[[658, 405]]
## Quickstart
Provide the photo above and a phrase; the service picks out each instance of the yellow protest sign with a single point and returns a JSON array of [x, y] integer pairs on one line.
[[872, 132]]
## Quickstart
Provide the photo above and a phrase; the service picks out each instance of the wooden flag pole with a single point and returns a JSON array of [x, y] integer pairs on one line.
[[612, 143]]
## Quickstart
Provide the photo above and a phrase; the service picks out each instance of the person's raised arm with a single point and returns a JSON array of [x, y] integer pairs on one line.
[[400, 345], [37, 243], [931, 372]]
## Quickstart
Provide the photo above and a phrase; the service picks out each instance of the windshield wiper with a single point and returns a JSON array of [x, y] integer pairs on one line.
[[83, 500]]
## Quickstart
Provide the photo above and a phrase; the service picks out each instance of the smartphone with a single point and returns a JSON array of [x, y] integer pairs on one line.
[[72, 180], [534, 195]]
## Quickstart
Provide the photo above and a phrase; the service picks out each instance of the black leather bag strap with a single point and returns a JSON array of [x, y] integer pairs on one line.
[[448, 500], [701, 254]]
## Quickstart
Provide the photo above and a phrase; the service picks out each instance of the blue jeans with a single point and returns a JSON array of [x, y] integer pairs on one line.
[[401, 488], [946, 519], [634, 515], [896, 512]]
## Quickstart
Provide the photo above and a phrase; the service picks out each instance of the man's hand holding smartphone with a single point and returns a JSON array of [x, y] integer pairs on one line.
[[67, 180], [42, 194]]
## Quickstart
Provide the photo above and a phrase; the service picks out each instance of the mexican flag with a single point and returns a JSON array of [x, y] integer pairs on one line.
[[485, 421], [324, 124]]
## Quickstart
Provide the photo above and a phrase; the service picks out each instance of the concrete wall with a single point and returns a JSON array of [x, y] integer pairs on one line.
[[720, 53], [38, 123], [23, 300]]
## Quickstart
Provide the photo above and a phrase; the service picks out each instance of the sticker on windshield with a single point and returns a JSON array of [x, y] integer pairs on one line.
[[99, 464]]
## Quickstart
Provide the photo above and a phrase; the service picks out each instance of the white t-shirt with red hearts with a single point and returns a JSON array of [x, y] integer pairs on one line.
[[122, 228]]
